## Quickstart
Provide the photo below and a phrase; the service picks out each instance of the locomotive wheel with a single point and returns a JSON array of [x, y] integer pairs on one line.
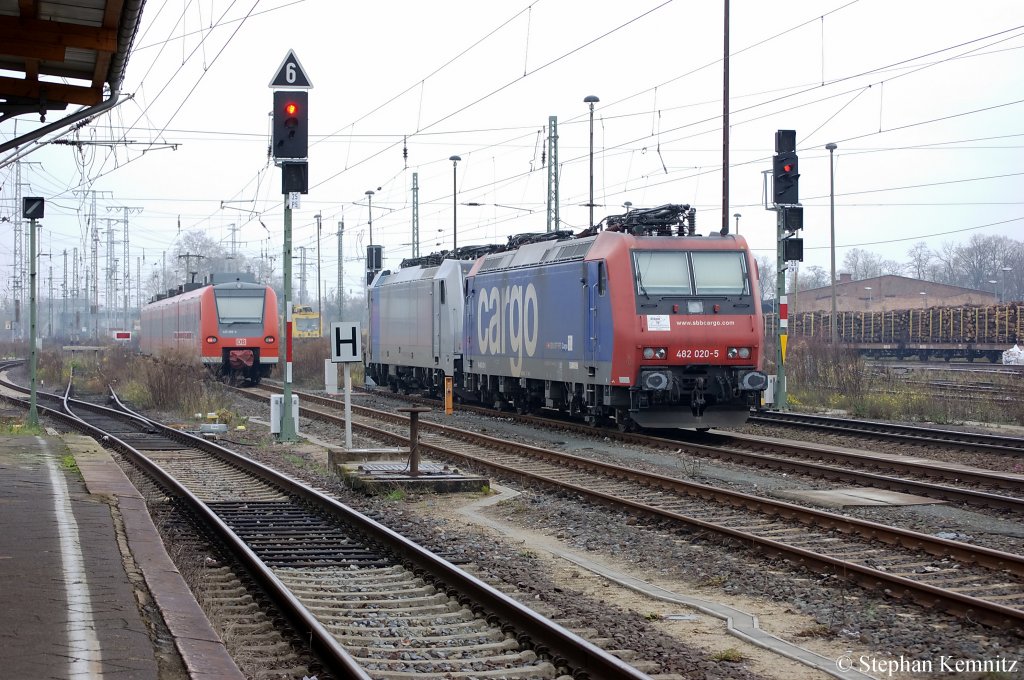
[[624, 423]]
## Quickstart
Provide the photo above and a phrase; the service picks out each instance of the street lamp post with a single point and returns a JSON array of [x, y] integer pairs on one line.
[[455, 206], [370, 256], [591, 100], [993, 282], [369, 202], [737, 216], [1002, 285], [833, 322], [924, 300], [868, 289]]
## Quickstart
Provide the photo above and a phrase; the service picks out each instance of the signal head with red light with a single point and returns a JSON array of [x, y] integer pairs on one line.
[[290, 125]]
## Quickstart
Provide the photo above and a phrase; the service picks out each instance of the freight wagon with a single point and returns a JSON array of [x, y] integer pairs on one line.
[[933, 333]]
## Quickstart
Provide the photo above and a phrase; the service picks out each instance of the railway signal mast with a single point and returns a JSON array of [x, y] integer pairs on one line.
[[790, 220], [290, 149]]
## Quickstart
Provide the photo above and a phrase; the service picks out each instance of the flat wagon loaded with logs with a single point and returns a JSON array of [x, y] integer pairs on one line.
[[937, 332]]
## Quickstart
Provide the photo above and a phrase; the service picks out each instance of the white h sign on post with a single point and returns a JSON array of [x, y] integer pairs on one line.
[[346, 348]]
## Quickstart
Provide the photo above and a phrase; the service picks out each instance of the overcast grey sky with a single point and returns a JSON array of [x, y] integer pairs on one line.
[[925, 100]]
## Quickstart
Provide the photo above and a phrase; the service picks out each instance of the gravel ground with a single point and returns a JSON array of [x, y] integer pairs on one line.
[[845, 615], [519, 570]]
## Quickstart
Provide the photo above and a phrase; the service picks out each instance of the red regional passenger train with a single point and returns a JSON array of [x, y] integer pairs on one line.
[[642, 323], [230, 324]]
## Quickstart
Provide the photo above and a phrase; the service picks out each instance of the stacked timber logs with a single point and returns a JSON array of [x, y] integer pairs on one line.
[[992, 324]]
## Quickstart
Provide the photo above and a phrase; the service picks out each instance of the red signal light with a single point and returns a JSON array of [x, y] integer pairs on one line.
[[291, 108], [787, 167]]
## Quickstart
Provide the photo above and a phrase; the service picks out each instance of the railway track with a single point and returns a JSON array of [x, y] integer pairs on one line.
[[982, 443], [957, 484], [983, 584], [368, 602]]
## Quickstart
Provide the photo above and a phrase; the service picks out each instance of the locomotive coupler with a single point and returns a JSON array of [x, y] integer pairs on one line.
[[697, 400]]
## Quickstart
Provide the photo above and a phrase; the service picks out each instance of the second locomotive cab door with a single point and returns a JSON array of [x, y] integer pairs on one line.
[[594, 273], [436, 319]]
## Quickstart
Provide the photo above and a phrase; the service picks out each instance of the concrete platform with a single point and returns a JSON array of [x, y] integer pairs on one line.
[[82, 567], [384, 477], [839, 498]]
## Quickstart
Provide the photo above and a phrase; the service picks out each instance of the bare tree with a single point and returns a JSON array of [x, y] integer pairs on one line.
[[891, 267], [920, 257], [208, 256], [766, 277], [813, 277]]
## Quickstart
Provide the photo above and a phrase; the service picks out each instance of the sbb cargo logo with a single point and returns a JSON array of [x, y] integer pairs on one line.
[[506, 323]]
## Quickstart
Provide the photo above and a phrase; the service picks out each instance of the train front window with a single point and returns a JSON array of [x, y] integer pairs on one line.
[[307, 324], [237, 309], [720, 273], [661, 272]]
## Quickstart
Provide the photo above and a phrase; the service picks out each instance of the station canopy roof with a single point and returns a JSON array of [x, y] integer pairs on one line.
[[56, 53]]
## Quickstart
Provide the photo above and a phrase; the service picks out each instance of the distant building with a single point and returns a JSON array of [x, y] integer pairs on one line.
[[884, 293]]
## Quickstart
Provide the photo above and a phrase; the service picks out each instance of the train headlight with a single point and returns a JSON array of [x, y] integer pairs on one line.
[[740, 352], [211, 339], [270, 340], [655, 352]]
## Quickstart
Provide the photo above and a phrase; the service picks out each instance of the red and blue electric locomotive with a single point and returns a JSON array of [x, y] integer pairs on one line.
[[230, 324], [639, 322]]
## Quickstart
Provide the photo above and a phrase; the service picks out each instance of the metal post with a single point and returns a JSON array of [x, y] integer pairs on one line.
[[415, 214], [737, 216], [287, 433], [348, 406], [414, 437], [552, 208], [319, 299], [341, 268], [725, 122], [33, 414], [782, 333], [591, 100], [369, 203], [455, 206], [833, 321]]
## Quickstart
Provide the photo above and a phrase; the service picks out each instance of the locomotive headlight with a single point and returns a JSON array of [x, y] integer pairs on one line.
[[741, 352], [655, 353], [211, 339], [270, 339]]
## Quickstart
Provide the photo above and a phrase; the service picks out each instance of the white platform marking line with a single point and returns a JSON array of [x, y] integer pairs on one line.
[[84, 647]]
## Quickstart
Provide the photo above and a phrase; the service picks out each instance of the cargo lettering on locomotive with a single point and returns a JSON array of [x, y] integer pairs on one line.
[[508, 317]]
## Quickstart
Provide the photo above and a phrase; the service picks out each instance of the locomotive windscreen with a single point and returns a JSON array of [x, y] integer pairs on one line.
[[720, 273], [673, 272], [662, 272], [240, 306]]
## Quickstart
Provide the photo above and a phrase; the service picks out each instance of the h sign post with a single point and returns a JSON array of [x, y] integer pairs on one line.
[[346, 348]]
